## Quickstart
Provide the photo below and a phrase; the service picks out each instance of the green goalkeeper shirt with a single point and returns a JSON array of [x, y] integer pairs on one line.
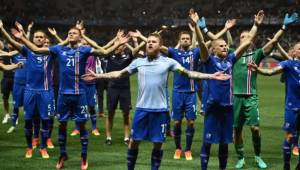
[[244, 79]]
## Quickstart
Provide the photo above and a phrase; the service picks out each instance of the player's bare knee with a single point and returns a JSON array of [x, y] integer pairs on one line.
[[289, 136], [177, 123], [133, 144], [190, 123], [255, 129]]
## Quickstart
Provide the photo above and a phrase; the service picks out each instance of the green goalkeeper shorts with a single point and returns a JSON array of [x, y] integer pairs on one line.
[[245, 110]]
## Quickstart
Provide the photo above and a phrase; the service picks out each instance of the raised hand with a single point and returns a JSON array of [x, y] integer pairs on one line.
[[19, 26], [120, 33], [79, 24], [137, 33], [52, 31], [288, 20], [16, 33], [230, 23], [259, 17], [30, 25], [1, 24], [123, 39], [193, 16], [220, 76]]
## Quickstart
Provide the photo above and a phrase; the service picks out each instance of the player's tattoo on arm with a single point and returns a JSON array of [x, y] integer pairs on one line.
[[199, 75], [111, 75]]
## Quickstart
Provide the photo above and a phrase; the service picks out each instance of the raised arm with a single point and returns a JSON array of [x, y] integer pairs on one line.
[[258, 18], [194, 37], [229, 39], [54, 34], [228, 25], [10, 40], [203, 49], [135, 49], [118, 42], [111, 75], [29, 44], [120, 33], [283, 53], [20, 27], [30, 25], [288, 20]]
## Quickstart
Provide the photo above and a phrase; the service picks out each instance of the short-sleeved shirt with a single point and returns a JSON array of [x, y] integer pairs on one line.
[[291, 70], [153, 81], [190, 61], [20, 74], [38, 69], [118, 62], [244, 79], [220, 92], [71, 67]]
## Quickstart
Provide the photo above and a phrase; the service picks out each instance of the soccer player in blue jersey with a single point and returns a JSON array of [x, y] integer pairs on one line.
[[150, 118], [18, 87], [218, 120], [291, 71], [37, 96], [72, 101]]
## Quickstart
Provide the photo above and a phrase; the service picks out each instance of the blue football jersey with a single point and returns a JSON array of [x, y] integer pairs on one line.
[[291, 70], [39, 70], [72, 63], [189, 60], [20, 74], [220, 92]]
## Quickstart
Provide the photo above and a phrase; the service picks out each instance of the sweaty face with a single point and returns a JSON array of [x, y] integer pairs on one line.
[[39, 38], [153, 46], [220, 48], [74, 35], [185, 40]]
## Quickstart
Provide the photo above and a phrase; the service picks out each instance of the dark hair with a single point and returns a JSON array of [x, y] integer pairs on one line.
[[183, 32], [40, 31], [75, 28], [157, 36]]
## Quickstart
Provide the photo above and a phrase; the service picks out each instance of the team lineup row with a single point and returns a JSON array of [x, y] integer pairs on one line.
[[226, 109]]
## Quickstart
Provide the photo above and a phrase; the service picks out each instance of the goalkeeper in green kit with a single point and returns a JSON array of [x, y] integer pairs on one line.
[[245, 96]]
